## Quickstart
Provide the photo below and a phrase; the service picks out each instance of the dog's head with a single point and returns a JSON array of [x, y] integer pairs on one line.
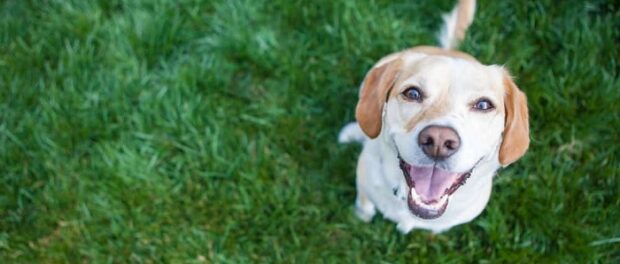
[[444, 117]]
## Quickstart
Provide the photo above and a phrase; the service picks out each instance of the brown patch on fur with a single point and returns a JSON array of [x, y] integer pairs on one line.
[[516, 137], [373, 95], [438, 109], [430, 50]]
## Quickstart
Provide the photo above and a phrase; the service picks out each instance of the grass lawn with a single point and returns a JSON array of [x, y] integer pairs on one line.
[[205, 131]]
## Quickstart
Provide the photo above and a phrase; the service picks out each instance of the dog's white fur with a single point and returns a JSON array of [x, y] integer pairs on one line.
[[451, 82]]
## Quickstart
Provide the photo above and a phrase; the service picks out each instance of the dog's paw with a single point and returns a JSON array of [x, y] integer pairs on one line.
[[365, 212], [363, 215], [404, 227], [351, 133]]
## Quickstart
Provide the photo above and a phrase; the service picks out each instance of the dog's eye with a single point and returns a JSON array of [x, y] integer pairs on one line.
[[412, 94], [483, 105]]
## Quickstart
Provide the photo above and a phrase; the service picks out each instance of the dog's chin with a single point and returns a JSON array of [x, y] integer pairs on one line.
[[430, 188]]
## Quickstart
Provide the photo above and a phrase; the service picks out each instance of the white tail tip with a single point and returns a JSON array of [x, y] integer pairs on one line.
[[456, 24]]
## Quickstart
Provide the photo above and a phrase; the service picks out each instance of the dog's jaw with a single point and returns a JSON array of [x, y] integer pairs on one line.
[[431, 198]]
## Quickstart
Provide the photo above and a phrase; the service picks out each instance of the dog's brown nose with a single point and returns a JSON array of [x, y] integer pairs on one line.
[[439, 142]]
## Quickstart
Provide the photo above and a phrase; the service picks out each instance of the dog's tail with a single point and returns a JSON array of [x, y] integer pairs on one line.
[[350, 133], [456, 24]]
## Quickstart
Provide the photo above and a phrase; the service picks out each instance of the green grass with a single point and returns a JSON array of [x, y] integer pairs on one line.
[[205, 131]]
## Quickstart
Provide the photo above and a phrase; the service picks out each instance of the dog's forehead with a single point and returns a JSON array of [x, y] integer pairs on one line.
[[474, 77], [456, 74]]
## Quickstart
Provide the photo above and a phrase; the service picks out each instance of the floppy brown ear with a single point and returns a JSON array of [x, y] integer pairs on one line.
[[516, 136], [375, 89]]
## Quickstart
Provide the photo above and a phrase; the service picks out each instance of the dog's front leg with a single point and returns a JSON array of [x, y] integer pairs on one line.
[[364, 207]]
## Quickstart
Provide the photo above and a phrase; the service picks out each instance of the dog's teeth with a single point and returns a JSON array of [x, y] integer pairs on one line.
[[434, 206]]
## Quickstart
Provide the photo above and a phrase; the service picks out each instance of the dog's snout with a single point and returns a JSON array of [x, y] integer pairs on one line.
[[439, 142]]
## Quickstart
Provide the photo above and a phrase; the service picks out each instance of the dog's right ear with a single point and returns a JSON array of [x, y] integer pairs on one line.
[[375, 91], [516, 135]]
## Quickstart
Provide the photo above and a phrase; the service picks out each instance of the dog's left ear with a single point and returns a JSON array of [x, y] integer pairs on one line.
[[373, 95], [516, 136]]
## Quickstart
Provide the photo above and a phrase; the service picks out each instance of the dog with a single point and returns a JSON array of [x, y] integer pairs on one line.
[[435, 125]]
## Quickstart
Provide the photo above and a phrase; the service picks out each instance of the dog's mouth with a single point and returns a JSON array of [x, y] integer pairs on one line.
[[431, 188]]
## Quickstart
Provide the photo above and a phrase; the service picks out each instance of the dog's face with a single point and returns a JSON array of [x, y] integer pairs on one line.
[[444, 117]]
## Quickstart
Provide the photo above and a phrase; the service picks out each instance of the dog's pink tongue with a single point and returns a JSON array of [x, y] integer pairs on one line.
[[431, 182]]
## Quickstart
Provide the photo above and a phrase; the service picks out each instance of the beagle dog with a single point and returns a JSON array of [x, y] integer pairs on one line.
[[436, 125]]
